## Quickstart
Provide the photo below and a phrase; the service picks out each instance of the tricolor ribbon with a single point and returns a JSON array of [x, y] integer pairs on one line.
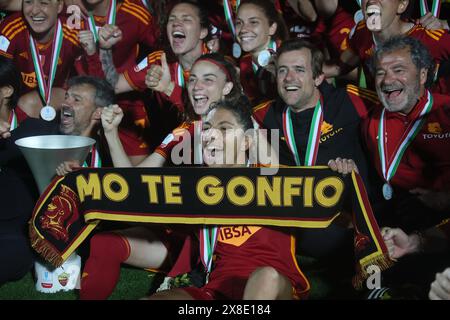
[[46, 87], [359, 3], [12, 120], [313, 139], [96, 161], [111, 18], [389, 169], [228, 11], [208, 241], [180, 75], [435, 9]]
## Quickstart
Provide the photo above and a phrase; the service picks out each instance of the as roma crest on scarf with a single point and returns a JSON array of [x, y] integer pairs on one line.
[[60, 214]]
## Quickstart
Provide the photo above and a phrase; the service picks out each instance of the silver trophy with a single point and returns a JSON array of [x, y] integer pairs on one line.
[[44, 154]]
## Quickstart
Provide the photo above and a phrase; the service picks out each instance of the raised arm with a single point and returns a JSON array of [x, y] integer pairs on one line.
[[111, 118]]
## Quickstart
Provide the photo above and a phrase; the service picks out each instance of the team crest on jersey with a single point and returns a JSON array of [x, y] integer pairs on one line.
[[236, 235], [325, 128], [327, 131], [434, 131], [434, 127]]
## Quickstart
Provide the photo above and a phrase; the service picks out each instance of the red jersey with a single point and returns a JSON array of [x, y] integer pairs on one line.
[[338, 27], [145, 31], [437, 41], [135, 76], [187, 130], [240, 250], [251, 75], [426, 162], [15, 44], [332, 31]]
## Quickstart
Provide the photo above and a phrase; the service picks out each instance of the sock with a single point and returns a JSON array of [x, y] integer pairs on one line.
[[102, 270]]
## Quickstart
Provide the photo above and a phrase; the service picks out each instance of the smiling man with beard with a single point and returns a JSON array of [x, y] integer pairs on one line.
[[411, 159], [408, 140], [80, 115]]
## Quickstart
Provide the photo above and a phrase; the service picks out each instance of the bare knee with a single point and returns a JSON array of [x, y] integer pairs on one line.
[[267, 283], [269, 275]]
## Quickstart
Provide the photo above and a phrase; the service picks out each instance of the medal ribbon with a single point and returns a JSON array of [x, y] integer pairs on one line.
[[411, 132], [180, 75], [96, 162], [208, 241], [111, 19], [12, 120], [313, 139], [44, 87], [435, 9], [228, 11]]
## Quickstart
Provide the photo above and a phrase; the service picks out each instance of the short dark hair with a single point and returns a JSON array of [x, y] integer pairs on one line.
[[9, 76], [420, 55], [104, 92], [317, 57], [240, 108]]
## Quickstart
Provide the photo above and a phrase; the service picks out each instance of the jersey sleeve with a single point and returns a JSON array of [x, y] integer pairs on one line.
[[363, 100], [259, 112], [135, 75], [177, 136], [143, 22], [10, 30]]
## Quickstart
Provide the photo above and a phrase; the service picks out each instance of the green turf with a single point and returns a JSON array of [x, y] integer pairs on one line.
[[136, 283], [133, 284]]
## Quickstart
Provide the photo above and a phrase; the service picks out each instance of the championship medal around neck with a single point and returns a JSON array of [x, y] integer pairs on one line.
[[359, 16], [387, 191], [48, 113], [264, 58], [237, 51]]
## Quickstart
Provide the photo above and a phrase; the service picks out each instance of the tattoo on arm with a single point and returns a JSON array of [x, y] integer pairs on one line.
[[108, 67]]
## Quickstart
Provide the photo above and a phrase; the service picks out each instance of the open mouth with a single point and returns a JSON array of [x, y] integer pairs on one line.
[[67, 115], [38, 20], [373, 10], [178, 35], [212, 155], [373, 21], [291, 88], [246, 38], [392, 93], [178, 38], [200, 100]]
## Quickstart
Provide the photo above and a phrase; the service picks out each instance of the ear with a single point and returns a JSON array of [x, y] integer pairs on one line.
[[402, 6], [273, 28], [423, 75], [7, 91], [318, 80], [203, 33], [227, 88]]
